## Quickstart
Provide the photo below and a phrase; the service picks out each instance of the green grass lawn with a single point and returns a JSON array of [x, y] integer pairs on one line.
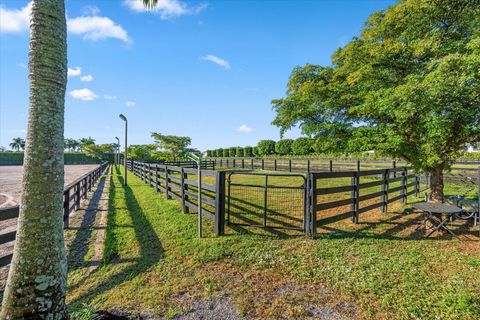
[[154, 264]]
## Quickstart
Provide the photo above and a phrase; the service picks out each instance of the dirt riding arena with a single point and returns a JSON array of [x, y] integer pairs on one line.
[[11, 181], [10, 194]]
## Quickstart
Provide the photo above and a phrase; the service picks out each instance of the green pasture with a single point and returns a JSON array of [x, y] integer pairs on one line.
[[154, 265]]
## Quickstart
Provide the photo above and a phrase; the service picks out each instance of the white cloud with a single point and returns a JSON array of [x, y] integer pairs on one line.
[[109, 97], [130, 104], [221, 62], [244, 128], [86, 78], [97, 28], [83, 94], [74, 72], [90, 10], [166, 9], [21, 65], [15, 20], [90, 26]]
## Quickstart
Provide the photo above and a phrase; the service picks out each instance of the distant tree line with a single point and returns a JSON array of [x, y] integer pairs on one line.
[[300, 146]]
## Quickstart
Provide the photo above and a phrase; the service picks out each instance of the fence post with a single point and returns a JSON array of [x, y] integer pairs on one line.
[[166, 182], [221, 163], [157, 180], [331, 165], [182, 183], [394, 165], [251, 163], [263, 164], [290, 165], [265, 197], [66, 208], [274, 164], [354, 195], [312, 210], [220, 203], [417, 185], [308, 165], [404, 183], [227, 163], [385, 191], [234, 164], [243, 163], [358, 165], [77, 196]]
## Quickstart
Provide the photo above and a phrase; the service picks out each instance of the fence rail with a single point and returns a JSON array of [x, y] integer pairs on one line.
[[357, 197], [181, 183], [72, 195], [457, 174]]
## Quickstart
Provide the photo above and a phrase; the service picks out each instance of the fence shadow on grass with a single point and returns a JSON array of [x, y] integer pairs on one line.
[[151, 250], [405, 221], [78, 248]]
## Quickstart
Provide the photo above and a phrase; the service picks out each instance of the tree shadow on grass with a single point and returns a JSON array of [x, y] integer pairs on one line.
[[151, 250]]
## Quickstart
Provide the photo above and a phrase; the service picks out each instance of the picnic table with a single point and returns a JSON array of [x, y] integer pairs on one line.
[[433, 215]]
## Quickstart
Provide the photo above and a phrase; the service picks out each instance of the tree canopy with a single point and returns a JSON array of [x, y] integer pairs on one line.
[[175, 145], [407, 87]]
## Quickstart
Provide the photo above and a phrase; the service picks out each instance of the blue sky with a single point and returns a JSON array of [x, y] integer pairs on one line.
[[204, 69]]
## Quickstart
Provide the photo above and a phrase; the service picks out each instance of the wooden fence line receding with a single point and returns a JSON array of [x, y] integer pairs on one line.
[[206, 164], [72, 195], [181, 183]]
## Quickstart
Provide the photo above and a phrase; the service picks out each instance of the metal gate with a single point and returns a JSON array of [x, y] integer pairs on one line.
[[266, 200]]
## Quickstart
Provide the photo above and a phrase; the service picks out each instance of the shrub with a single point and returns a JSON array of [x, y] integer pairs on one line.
[[248, 152], [302, 146], [284, 146], [225, 153], [266, 147], [239, 152], [233, 151]]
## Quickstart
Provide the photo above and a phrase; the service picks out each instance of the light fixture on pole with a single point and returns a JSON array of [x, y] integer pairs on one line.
[[117, 152], [125, 157]]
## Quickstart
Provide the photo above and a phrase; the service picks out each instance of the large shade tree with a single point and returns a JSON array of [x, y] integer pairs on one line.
[[408, 86], [176, 146], [36, 282]]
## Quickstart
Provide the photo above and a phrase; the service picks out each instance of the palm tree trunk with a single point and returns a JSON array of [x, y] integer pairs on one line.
[[36, 282]]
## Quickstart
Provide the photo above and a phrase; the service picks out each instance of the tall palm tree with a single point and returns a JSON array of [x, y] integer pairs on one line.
[[17, 144], [36, 284]]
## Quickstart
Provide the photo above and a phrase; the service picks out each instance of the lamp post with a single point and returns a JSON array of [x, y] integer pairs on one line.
[[125, 160], [117, 154]]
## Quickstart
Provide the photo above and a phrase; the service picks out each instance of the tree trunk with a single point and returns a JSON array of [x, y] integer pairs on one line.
[[436, 183], [36, 282]]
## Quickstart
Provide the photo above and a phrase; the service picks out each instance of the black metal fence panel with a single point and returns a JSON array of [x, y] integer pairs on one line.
[[266, 200]]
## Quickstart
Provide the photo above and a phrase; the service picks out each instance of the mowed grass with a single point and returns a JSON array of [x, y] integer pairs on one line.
[[154, 264]]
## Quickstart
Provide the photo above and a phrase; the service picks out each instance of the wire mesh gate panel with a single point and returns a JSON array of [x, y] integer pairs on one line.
[[266, 200]]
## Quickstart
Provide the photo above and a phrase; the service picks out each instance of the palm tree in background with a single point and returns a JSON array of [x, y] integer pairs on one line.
[[71, 145], [17, 144], [37, 279], [83, 142]]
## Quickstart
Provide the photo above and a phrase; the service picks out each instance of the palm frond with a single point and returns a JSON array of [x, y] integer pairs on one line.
[[150, 4]]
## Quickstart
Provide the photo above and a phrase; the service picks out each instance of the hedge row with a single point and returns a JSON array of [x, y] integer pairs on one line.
[[16, 158]]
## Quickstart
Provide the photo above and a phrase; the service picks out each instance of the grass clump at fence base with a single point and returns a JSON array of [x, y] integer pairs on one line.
[[154, 265]]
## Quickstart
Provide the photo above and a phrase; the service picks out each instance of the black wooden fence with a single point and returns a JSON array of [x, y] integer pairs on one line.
[[206, 164], [458, 174], [360, 191], [381, 187], [181, 183], [72, 195]]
